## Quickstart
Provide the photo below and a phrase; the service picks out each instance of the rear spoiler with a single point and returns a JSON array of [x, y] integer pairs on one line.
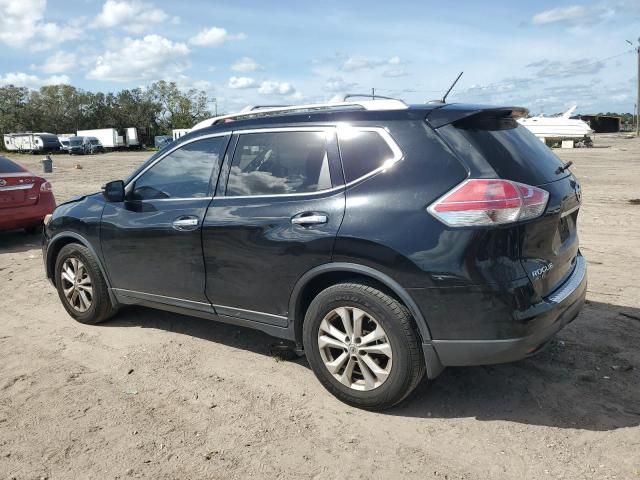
[[452, 112]]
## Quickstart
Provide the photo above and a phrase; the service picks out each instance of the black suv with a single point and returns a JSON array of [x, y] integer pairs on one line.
[[387, 241]]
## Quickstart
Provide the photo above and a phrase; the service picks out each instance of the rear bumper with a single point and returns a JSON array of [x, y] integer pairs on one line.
[[28, 216], [544, 321]]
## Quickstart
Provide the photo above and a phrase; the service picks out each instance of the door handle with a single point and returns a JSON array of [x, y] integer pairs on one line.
[[309, 219], [185, 224]]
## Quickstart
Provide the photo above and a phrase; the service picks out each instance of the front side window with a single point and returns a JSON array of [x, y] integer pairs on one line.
[[362, 152], [276, 163], [184, 173]]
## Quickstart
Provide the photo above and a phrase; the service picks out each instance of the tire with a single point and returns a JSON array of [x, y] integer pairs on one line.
[[99, 307], [394, 381]]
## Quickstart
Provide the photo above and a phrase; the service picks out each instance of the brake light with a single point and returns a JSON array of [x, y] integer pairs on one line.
[[46, 187], [478, 202]]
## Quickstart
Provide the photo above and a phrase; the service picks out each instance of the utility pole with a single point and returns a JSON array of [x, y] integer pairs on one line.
[[373, 93], [638, 87]]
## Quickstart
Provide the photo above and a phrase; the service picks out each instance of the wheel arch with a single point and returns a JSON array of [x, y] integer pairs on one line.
[[323, 276], [62, 239]]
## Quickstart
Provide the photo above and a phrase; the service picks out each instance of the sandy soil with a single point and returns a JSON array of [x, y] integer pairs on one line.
[[158, 395]]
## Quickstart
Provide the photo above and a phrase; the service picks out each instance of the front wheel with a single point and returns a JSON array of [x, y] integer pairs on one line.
[[362, 346], [81, 286]]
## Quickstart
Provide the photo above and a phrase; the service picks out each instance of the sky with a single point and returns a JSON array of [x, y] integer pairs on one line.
[[543, 55]]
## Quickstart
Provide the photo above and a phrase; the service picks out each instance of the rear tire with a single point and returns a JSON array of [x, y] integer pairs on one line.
[[374, 363], [81, 286]]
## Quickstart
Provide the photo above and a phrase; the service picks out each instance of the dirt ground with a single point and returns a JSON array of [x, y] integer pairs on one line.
[[158, 395]]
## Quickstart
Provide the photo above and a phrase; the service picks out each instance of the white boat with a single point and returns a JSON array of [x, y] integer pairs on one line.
[[558, 127]]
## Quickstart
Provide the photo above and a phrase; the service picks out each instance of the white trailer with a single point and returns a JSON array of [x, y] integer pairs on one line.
[[108, 136], [31, 142], [131, 137], [179, 132]]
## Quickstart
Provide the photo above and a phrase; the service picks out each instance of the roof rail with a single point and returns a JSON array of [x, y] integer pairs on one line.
[[373, 96], [379, 103]]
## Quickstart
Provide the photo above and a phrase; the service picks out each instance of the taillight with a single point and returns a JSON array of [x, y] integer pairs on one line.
[[478, 202], [46, 187]]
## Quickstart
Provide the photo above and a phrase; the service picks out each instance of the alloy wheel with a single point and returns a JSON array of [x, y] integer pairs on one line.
[[355, 348], [76, 284]]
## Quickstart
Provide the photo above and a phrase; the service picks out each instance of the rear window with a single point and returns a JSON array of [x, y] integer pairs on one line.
[[509, 148], [362, 152], [7, 166]]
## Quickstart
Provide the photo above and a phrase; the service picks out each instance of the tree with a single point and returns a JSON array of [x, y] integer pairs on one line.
[[66, 109]]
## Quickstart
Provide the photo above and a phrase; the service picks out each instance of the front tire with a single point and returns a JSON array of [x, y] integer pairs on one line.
[[81, 286], [362, 346]]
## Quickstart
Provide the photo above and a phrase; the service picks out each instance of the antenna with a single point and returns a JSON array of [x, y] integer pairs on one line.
[[451, 88]]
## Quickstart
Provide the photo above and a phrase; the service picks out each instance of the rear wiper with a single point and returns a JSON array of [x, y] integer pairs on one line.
[[564, 167]]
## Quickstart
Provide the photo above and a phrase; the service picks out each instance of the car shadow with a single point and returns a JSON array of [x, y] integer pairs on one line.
[[217, 332], [587, 378], [16, 241]]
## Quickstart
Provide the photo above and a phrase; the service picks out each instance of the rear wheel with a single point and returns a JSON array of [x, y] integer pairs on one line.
[[81, 285], [361, 344]]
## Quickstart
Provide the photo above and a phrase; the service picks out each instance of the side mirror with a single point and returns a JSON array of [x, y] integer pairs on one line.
[[114, 191]]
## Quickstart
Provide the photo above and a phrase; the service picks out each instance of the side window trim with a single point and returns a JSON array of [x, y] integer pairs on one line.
[[131, 182], [332, 152], [387, 138]]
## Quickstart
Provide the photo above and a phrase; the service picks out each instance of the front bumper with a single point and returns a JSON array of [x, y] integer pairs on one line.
[[547, 318]]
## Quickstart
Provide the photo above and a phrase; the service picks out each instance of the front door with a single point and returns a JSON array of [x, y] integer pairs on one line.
[[152, 242], [275, 218]]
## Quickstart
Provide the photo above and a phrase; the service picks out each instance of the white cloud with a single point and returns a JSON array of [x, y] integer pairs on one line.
[[338, 84], [354, 63], [134, 16], [59, 62], [242, 82], [22, 25], [150, 58], [561, 14], [245, 64], [270, 87], [395, 73], [583, 14], [214, 37], [20, 79]]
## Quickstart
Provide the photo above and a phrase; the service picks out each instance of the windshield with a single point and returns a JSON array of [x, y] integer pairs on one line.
[[76, 142], [95, 142]]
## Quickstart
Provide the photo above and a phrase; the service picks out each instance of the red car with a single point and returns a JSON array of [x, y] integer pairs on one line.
[[25, 199]]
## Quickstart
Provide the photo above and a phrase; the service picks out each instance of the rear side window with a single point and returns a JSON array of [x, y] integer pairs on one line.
[[276, 163], [362, 152], [184, 173], [7, 166]]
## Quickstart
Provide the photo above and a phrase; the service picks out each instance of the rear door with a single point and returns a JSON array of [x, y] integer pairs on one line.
[[275, 216], [18, 187], [495, 145]]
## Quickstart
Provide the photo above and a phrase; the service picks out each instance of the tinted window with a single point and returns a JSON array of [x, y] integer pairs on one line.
[[362, 152], [7, 166], [511, 149], [279, 162], [184, 173]]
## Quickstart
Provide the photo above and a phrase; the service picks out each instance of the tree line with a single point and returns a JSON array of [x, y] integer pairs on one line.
[[59, 109]]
